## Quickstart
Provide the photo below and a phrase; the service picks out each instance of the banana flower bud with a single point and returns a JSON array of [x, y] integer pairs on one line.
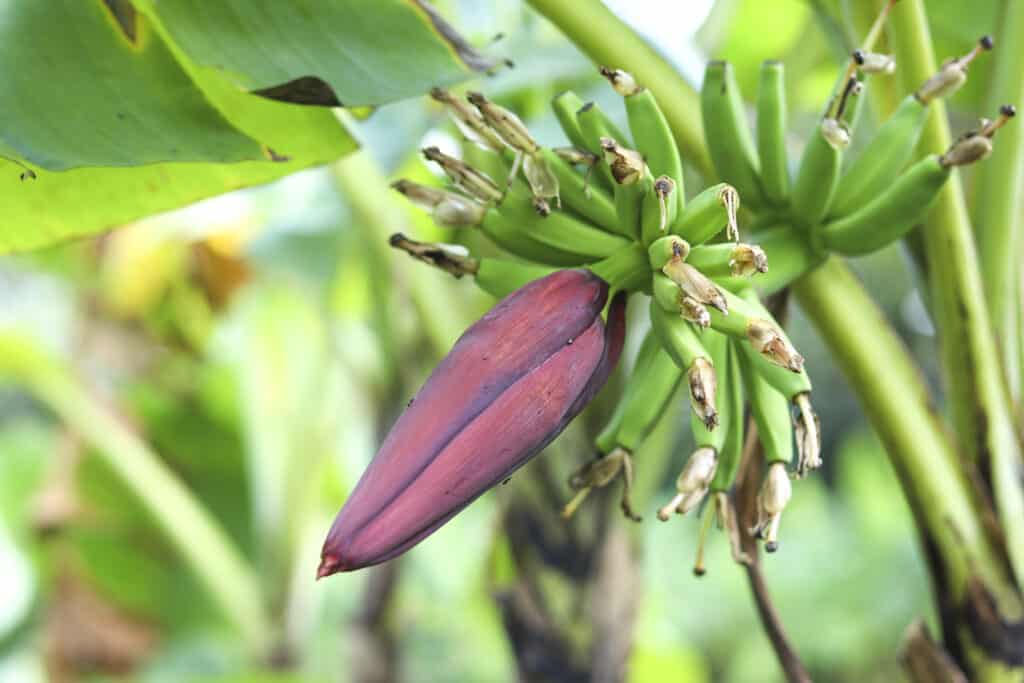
[[508, 387]]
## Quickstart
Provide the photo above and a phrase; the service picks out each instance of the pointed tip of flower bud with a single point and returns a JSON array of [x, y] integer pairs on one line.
[[441, 454], [329, 564]]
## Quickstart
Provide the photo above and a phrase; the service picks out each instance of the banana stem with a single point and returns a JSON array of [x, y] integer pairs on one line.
[[896, 400], [999, 197], [976, 388], [610, 42], [205, 547]]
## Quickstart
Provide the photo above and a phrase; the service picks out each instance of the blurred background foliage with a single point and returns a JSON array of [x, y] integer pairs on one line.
[[260, 343]]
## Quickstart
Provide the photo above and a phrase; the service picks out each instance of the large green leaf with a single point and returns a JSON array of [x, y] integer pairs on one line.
[[80, 91], [327, 52], [58, 206]]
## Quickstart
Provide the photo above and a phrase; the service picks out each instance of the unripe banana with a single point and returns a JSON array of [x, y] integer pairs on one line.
[[891, 214], [606, 439], [707, 214], [818, 175], [658, 209], [770, 410], [557, 229], [680, 340], [591, 203], [726, 132], [632, 181], [728, 260], [650, 130], [565, 106], [750, 321], [673, 300], [501, 277], [771, 133], [882, 159], [731, 409], [510, 235], [705, 434], [627, 269], [594, 124], [816, 178], [655, 389]]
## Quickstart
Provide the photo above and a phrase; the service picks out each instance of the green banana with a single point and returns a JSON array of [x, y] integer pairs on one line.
[[796, 388], [606, 439], [655, 388], [683, 344], [882, 159], [594, 124], [728, 260], [501, 277], [816, 179], [750, 321], [650, 130], [891, 214], [708, 213], [789, 256], [726, 131], [658, 209], [591, 203], [731, 451], [565, 106], [626, 269], [632, 181], [557, 229], [771, 133], [509, 234], [770, 410]]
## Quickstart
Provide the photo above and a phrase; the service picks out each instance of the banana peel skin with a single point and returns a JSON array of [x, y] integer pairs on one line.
[[512, 382]]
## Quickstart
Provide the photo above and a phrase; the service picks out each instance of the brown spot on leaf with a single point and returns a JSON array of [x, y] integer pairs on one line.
[[126, 17], [470, 56], [309, 90]]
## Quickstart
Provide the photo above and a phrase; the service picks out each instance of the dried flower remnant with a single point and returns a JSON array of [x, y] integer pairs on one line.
[[703, 383], [471, 181], [767, 340], [627, 165], [469, 120], [771, 501], [807, 428], [952, 74], [977, 145], [692, 484], [599, 473], [747, 259]]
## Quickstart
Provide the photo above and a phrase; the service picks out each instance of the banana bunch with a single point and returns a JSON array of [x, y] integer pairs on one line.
[[613, 202]]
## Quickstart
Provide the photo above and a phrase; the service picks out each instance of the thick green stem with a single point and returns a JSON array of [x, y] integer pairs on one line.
[[976, 390], [610, 42], [999, 195], [204, 546], [896, 400]]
